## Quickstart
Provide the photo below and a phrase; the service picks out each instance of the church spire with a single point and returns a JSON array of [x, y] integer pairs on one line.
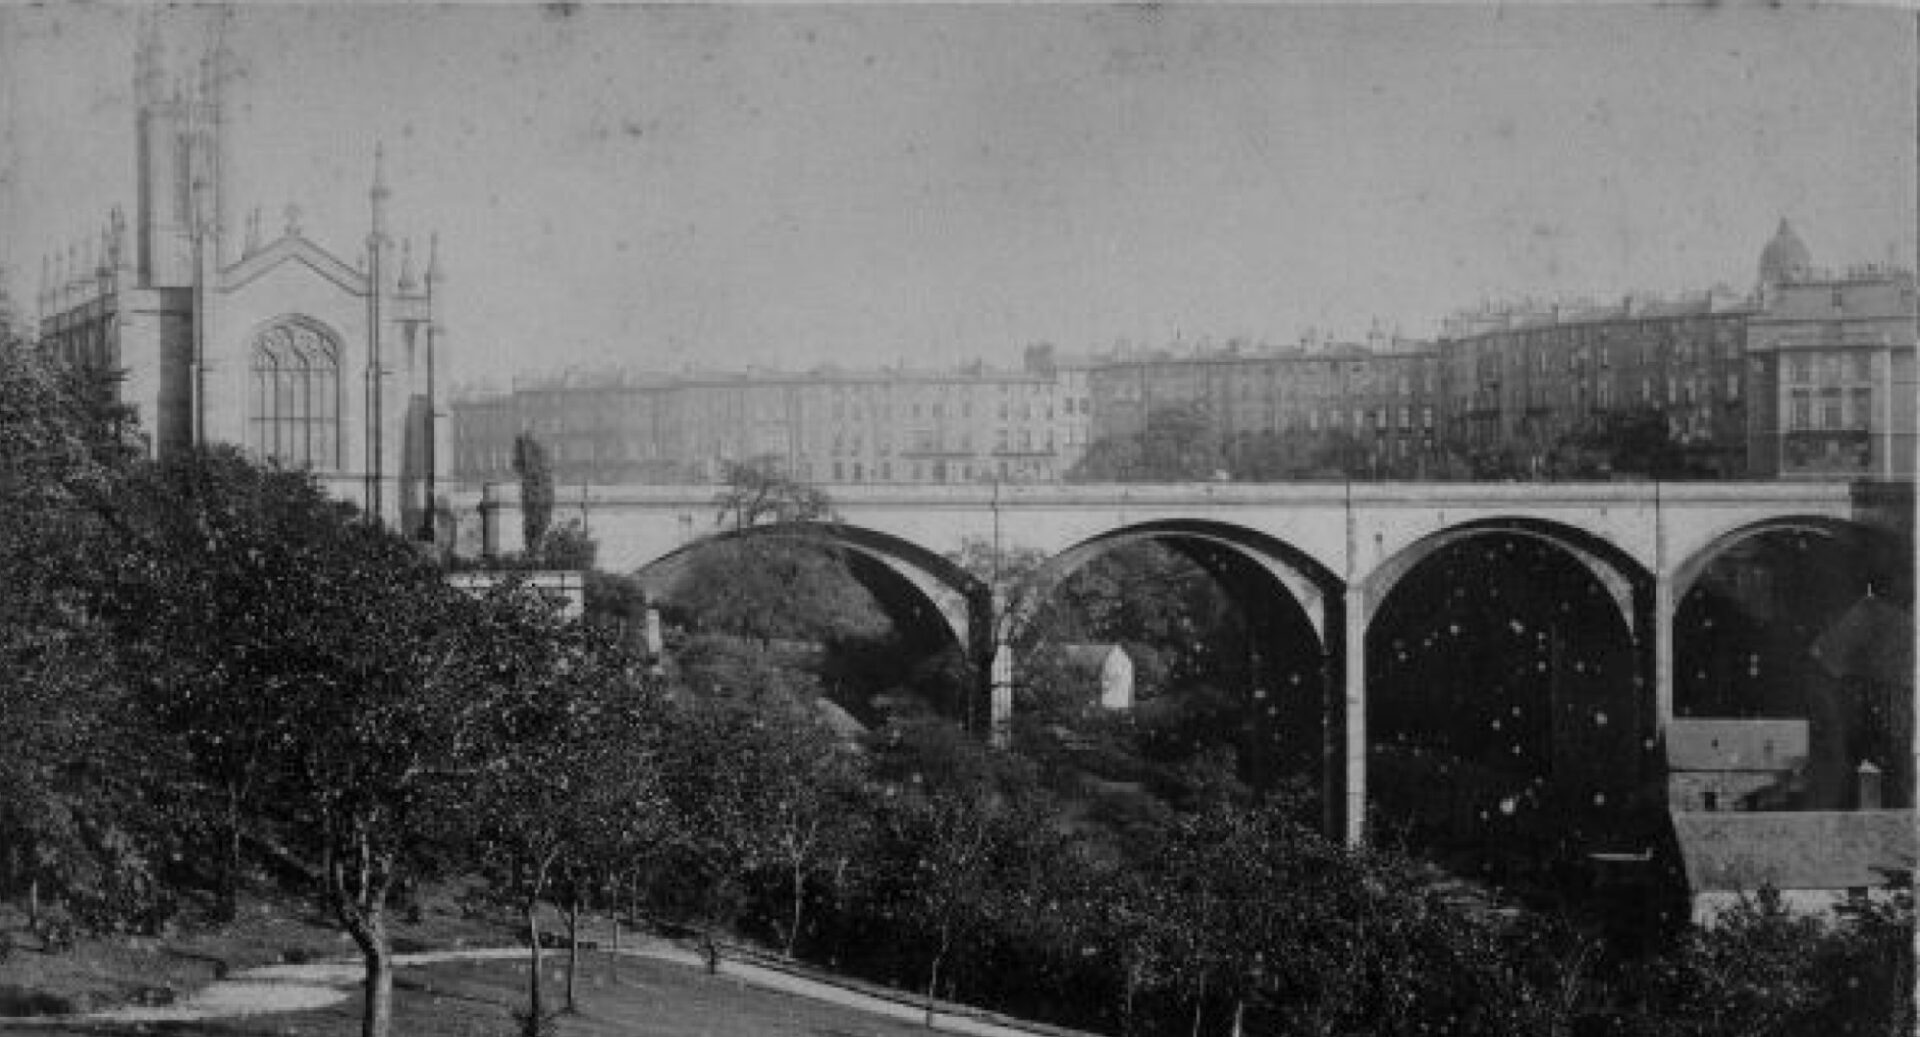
[[378, 194], [408, 282], [149, 74]]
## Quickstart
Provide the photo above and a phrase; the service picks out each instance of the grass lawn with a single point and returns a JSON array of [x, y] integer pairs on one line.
[[112, 970], [619, 997]]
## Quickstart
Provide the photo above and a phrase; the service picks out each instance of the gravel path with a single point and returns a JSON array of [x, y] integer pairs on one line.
[[293, 988]]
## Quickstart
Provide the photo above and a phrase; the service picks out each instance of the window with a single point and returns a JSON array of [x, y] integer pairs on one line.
[[1802, 412], [296, 395], [1830, 409], [1860, 402]]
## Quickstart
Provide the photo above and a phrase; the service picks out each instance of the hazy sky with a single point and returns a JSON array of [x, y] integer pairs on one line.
[[802, 184]]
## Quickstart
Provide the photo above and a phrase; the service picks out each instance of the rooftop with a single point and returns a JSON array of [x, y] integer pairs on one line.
[[1736, 745], [1815, 849]]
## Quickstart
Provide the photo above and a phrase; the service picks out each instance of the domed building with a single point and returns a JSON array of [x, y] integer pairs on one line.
[[1831, 355], [1786, 259]]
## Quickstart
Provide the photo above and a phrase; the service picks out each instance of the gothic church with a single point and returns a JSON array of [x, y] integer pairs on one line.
[[278, 346]]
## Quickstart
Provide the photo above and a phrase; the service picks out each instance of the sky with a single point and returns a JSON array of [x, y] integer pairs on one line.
[[793, 185]]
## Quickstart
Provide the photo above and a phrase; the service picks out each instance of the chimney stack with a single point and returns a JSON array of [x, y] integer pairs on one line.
[[1869, 785]]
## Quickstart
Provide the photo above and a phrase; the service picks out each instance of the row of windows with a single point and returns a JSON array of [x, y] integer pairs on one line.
[[1370, 419], [1827, 368], [928, 471], [1830, 409]]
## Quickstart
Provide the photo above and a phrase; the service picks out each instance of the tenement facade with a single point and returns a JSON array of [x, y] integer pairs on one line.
[[1832, 369], [973, 423], [1811, 374]]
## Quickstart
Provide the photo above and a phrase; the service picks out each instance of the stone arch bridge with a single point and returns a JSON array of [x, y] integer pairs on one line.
[[1337, 550]]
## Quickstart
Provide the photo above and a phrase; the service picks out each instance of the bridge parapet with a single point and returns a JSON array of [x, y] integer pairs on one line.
[[1351, 529]]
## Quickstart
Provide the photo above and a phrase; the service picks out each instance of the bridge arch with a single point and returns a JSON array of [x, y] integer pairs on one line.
[[959, 600], [1308, 584], [1623, 577], [1842, 531], [1267, 699], [1803, 624], [1499, 694]]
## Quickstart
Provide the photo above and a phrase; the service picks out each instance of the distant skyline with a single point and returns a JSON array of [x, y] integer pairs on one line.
[[787, 186]]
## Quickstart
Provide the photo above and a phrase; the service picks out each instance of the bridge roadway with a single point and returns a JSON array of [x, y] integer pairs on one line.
[[1337, 549]]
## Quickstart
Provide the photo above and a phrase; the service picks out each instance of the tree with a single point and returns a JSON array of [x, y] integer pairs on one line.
[[772, 586], [577, 786], [714, 803], [812, 788], [771, 576], [207, 666], [757, 492], [955, 831], [1177, 444], [1638, 441], [567, 546], [333, 656], [80, 786], [536, 491]]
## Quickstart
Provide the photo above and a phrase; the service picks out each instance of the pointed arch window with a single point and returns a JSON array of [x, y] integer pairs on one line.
[[296, 396]]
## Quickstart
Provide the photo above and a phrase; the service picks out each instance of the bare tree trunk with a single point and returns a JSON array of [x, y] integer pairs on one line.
[[358, 882], [1126, 1003], [227, 893], [573, 945], [710, 930], [535, 1010], [366, 922], [933, 970], [933, 984], [799, 902], [376, 1017], [1199, 1003]]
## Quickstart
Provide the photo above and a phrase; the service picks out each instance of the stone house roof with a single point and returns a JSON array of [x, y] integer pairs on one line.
[[1736, 745], [1800, 850]]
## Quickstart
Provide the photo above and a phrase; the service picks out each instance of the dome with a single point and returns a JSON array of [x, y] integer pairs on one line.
[[1785, 259]]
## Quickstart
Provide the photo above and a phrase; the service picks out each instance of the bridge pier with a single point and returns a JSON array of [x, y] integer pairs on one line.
[[1000, 697], [1353, 622], [1664, 610]]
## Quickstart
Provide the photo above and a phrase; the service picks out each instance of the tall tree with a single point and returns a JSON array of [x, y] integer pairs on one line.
[[76, 794], [276, 632], [530, 462], [576, 784]]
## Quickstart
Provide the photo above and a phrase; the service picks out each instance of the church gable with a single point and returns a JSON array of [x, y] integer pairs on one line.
[[293, 248]]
